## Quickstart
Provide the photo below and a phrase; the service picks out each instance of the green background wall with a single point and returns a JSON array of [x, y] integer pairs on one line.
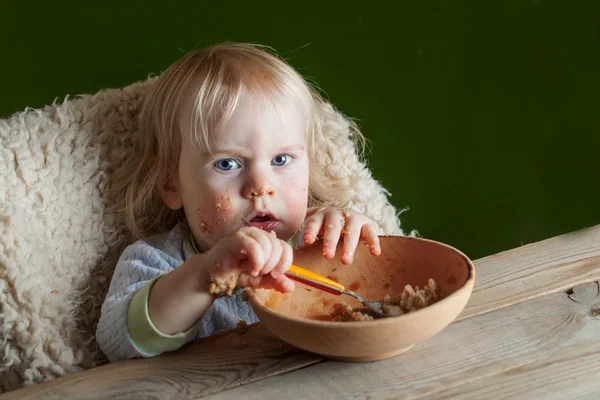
[[483, 115]]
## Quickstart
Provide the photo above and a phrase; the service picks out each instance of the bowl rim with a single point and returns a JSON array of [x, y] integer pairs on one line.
[[467, 286]]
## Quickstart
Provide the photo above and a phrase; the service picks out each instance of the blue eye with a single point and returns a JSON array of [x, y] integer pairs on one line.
[[281, 160], [227, 164]]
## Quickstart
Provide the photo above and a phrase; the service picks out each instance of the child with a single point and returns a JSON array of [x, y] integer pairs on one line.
[[226, 175]]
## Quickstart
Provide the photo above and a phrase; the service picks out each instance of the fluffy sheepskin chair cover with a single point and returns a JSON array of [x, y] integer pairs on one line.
[[60, 235]]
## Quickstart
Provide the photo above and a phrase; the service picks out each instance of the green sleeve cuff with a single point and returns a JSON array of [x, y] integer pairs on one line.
[[145, 336]]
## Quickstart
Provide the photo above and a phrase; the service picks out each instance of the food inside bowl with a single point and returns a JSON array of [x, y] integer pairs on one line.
[[409, 300]]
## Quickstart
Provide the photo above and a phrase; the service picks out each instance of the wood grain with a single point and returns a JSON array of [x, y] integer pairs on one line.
[[535, 270], [534, 334], [194, 371], [572, 372]]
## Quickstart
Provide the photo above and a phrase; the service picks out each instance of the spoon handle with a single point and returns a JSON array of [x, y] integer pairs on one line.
[[315, 280]]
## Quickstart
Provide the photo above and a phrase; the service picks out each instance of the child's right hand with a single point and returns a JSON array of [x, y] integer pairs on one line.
[[250, 257]]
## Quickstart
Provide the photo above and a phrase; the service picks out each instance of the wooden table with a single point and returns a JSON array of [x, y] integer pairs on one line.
[[531, 330]]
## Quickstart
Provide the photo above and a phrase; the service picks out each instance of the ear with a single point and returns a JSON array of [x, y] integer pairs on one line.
[[170, 190]]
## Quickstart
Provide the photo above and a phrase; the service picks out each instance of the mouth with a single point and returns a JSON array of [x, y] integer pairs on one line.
[[262, 220]]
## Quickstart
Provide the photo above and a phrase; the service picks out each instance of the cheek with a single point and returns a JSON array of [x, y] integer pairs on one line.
[[201, 220], [295, 189], [223, 210], [296, 197], [223, 204]]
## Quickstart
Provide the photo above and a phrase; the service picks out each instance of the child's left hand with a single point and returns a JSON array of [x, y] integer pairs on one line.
[[331, 223]]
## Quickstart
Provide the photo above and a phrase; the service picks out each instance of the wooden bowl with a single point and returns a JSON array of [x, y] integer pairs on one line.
[[300, 317]]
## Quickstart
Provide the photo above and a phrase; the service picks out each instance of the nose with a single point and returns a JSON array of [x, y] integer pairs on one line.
[[258, 184]]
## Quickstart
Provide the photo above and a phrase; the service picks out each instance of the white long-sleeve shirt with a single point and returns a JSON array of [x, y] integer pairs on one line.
[[125, 329]]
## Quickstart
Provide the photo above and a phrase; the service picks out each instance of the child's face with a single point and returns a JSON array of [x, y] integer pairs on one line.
[[257, 175]]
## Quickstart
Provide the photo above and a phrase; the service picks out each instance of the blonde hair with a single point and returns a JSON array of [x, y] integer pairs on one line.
[[192, 97]]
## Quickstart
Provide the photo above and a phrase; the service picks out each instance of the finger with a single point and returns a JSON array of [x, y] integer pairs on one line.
[[285, 260], [351, 232], [252, 244], [312, 227], [369, 234], [333, 225], [274, 256], [282, 283], [246, 280], [264, 240]]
